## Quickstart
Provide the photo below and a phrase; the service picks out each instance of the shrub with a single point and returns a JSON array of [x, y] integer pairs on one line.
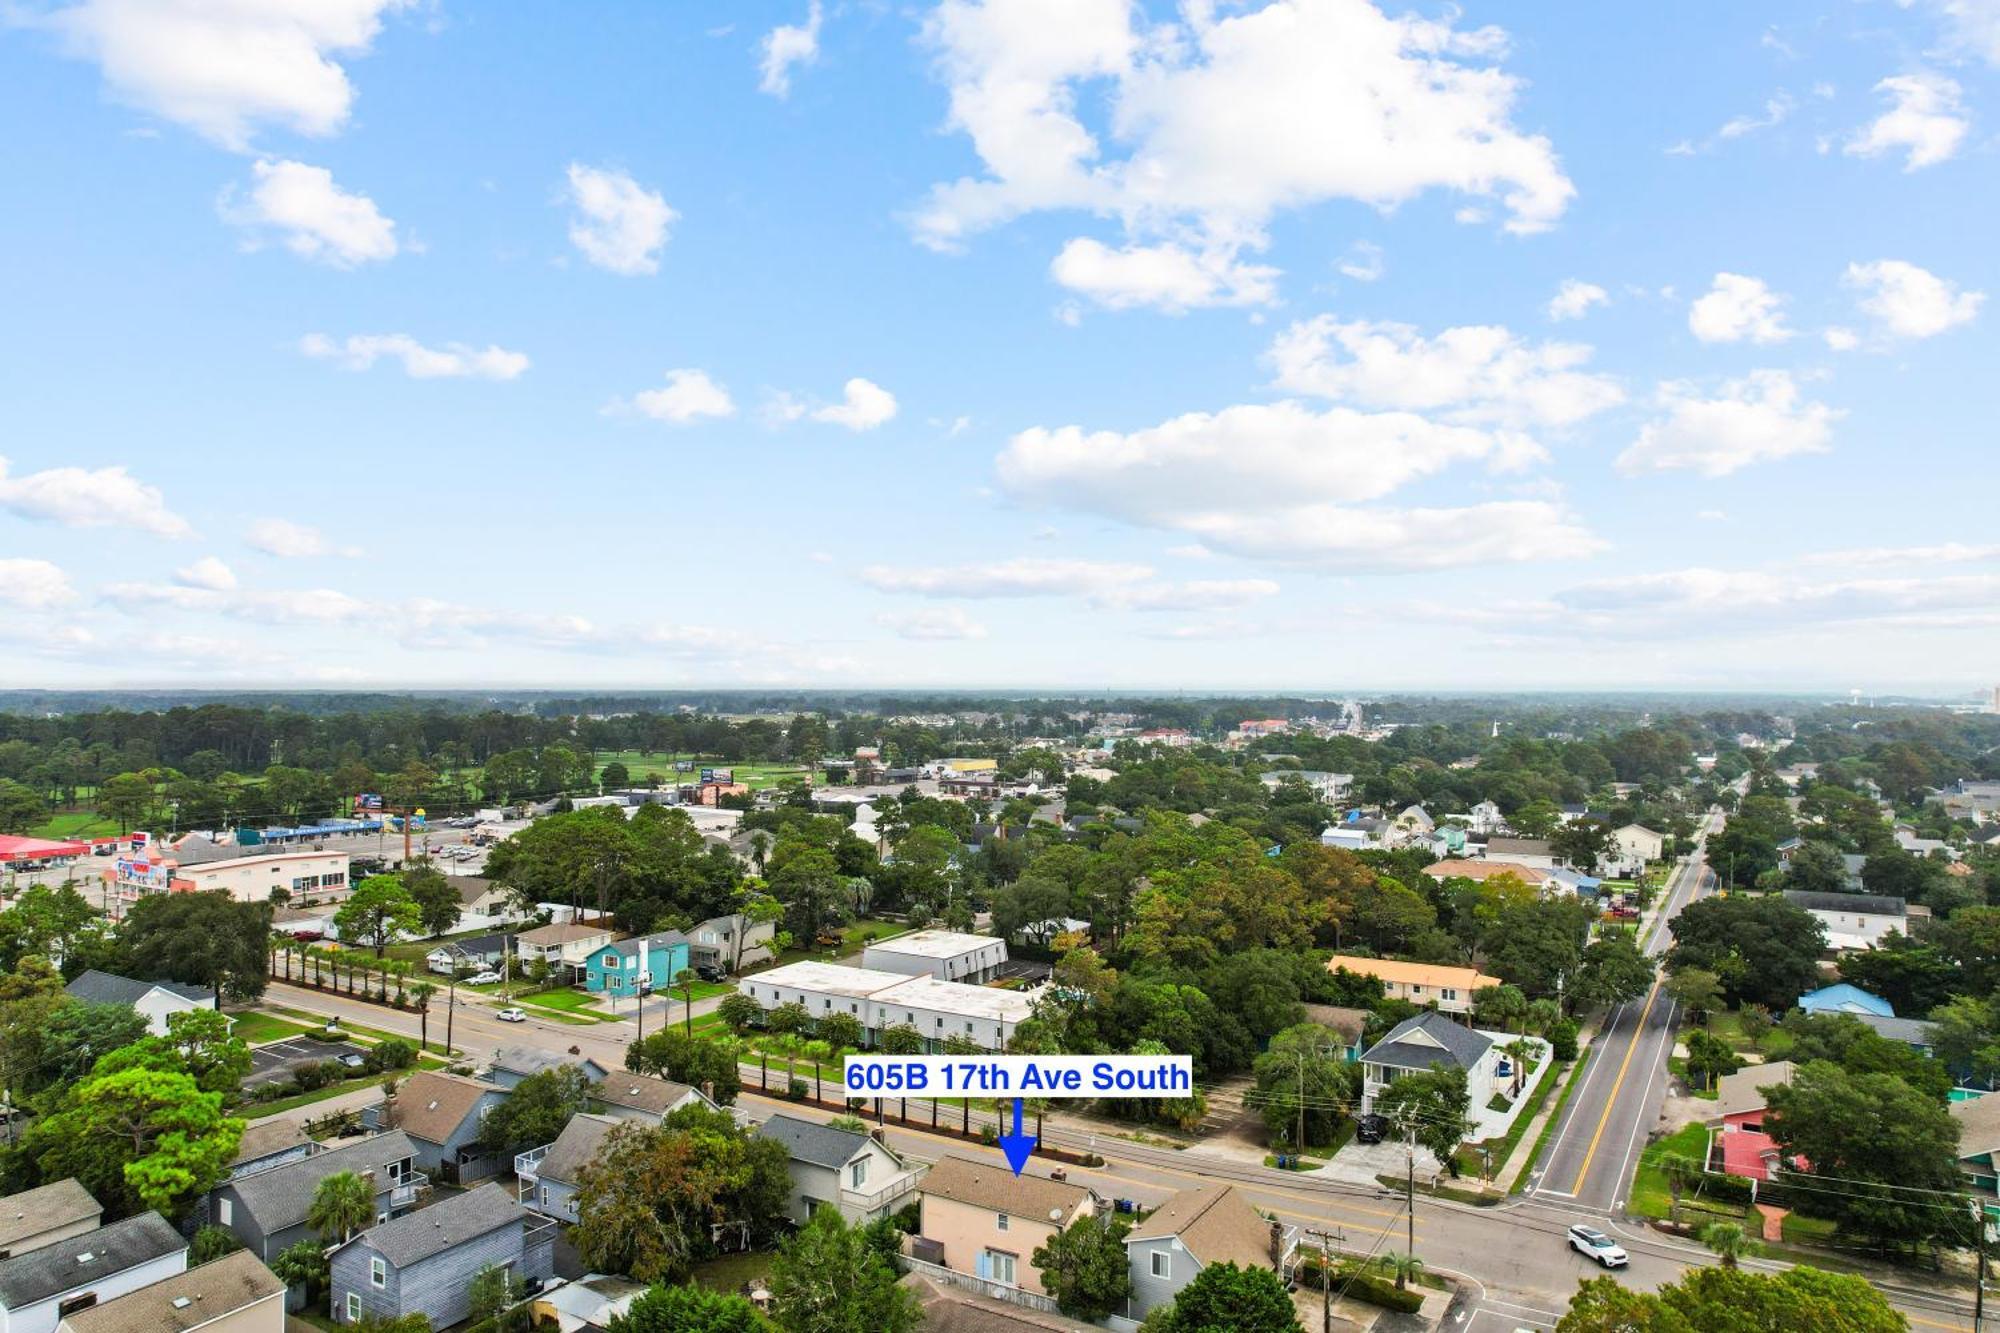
[[1348, 1280], [391, 1053], [313, 1077], [798, 1090], [1562, 1038]]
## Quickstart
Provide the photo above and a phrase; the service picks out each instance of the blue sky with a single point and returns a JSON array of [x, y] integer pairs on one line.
[[1283, 344]]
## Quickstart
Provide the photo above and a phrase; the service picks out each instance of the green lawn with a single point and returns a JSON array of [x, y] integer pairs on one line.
[[366, 1036], [640, 765], [415, 951], [76, 824], [729, 1272], [257, 1027], [1501, 1152], [264, 1110], [1650, 1196], [1729, 1026], [573, 1004]]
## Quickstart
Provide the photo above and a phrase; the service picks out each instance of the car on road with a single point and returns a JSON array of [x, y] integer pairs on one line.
[[1594, 1244], [1370, 1129], [484, 979], [513, 1015]]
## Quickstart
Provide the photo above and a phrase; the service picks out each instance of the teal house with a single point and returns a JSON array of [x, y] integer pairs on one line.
[[636, 966]]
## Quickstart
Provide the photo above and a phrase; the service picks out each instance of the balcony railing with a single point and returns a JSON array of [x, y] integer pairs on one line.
[[868, 1201], [527, 1164], [404, 1189], [984, 1286]]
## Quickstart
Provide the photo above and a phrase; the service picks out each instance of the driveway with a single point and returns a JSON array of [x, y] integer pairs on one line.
[[1361, 1163]]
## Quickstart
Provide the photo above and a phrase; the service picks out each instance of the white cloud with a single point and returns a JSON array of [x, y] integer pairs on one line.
[[1023, 577], [35, 585], [1941, 554], [1909, 302], [619, 224], [1777, 108], [1971, 25], [221, 67], [1215, 124], [1475, 373], [291, 541], [1738, 308], [1363, 262], [1840, 338], [1760, 418], [1574, 299], [1357, 540], [787, 45], [314, 217], [1925, 121], [1717, 601], [690, 396], [75, 497], [933, 624], [865, 406], [452, 361], [1193, 595], [207, 572], [1168, 276]]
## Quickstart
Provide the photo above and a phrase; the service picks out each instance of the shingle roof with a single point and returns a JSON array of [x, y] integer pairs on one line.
[[280, 1197], [952, 1310], [812, 1141], [576, 1147], [568, 933], [1913, 1031], [95, 987], [1869, 903], [1978, 1125], [1216, 1225], [1456, 1045], [197, 1296], [535, 1060], [1742, 1091], [630, 948], [471, 888], [992, 1185], [263, 1138], [640, 1092], [432, 1104], [415, 1237], [28, 1279], [34, 1211]]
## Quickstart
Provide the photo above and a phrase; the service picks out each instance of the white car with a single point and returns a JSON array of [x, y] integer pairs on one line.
[[1594, 1244], [512, 1015], [483, 979]]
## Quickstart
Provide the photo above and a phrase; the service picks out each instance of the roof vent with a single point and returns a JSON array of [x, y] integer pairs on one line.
[[86, 1257], [182, 1302]]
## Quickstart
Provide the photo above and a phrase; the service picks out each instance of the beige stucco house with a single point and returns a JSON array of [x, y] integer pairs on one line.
[[978, 1218]]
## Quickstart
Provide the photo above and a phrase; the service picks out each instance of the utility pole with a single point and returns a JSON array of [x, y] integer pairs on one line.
[[1327, 1239], [450, 1010], [1410, 1197]]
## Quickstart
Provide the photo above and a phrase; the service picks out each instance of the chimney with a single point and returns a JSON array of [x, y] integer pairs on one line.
[[1277, 1243]]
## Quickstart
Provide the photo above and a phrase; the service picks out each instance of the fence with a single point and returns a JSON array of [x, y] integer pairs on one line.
[[999, 1291]]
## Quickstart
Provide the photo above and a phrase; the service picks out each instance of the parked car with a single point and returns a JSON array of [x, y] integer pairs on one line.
[[1370, 1129], [351, 1060], [513, 1015], [1594, 1244], [487, 978], [708, 972]]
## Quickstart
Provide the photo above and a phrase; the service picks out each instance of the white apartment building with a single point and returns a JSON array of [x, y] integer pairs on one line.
[[947, 955], [881, 1000]]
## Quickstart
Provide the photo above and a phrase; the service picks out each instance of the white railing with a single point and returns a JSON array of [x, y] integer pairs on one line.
[[869, 1200], [983, 1286], [525, 1164], [403, 1189]]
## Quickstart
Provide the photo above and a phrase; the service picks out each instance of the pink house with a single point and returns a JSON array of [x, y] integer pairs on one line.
[[977, 1218], [1746, 1150]]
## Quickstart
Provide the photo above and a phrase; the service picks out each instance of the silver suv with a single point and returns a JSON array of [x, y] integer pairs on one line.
[[1594, 1244]]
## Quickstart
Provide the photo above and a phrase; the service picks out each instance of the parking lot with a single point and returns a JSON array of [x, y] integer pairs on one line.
[[275, 1063], [1019, 969]]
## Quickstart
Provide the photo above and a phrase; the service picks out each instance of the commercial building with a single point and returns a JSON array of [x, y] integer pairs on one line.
[[247, 879], [938, 1010], [945, 954], [1449, 988]]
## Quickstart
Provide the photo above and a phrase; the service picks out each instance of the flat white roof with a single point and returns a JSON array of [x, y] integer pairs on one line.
[[934, 943], [828, 978], [955, 997]]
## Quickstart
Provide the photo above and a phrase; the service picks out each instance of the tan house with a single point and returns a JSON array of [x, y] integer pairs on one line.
[[1464, 868], [564, 946], [1449, 988], [43, 1216], [233, 1294], [979, 1219]]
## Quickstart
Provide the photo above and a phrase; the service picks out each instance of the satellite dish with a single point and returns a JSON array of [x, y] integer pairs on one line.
[[1055, 1214]]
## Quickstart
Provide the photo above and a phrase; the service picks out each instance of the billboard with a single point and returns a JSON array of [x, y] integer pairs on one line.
[[368, 802]]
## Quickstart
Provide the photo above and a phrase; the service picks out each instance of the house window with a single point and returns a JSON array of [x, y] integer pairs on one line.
[[378, 1273], [1000, 1222], [225, 1211], [1163, 1265], [75, 1303], [857, 1173], [545, 1196], [353, 1306], [1000, 1266]]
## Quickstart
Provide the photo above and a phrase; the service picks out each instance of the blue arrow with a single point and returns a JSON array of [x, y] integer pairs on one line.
[[1019, 1147]]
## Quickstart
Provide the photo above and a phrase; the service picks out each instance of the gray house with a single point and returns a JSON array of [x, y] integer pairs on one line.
[[514, 1065], [267, 1209], [442, 1114], [838, 1168], [713, 943], [268, 1143], [424, 1262], [548, 1175], [42, 1287], [1195, 1228], [641, 1097]]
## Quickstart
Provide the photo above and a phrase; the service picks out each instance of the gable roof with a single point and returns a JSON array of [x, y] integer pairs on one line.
[[432, 1104], [1216, 1225], [1469, 868], [1911, 1031], [280, 1196], [1844, 997], [1866, 903], [470, 946], [641, 1092], [198, 1296], [1742, 1091], [471, 888], [1978, 1125], [264, 1138], [34, 1211], [662, 939], [814, 1142], [535, 1060], [1429, 1039], [95, 987], [39, 1275], [992, 1185], [568, 933], [576, 1147], [1467, 979], [1498, 846], [428, 1232]]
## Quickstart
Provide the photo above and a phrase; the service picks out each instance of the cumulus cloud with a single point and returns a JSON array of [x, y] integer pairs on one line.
[[618, 223], [1736, 309], [1926, 121], [313, 217], [1910, 302], [1944, 553], [1167, 276], [221, 67], [864, 406], [207, 572], [690, 396], [1839, 338], [1024, 577], [787, 45], [1474, 373], [1760, 418], [35, 585], [1193, 595], [1574, 299], [1216, 123], [75, 497], [933, 624], [291, 541], [452, 361], [1971, 26]]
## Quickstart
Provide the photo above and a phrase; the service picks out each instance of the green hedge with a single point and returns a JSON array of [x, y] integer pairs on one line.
[[1349, 1280]]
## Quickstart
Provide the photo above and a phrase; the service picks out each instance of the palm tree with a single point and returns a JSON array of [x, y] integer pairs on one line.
[[1518, 1051], [819, 1051], [1679, 1171], [420, 995], [685, 979], [1728, 1241], [342, 1204], [1405, 1266]]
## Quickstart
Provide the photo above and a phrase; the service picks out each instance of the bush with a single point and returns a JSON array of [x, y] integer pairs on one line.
[[391, 1053], [798, 1090], [1562, 1037], [1362, 1286], [313, 1077], [270, 1092], [210, 1243]]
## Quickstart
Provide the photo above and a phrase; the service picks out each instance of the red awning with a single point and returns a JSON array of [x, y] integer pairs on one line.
[[35, 849]]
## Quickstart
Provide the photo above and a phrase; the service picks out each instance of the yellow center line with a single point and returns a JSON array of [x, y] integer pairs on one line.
[[1638, 1031]]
